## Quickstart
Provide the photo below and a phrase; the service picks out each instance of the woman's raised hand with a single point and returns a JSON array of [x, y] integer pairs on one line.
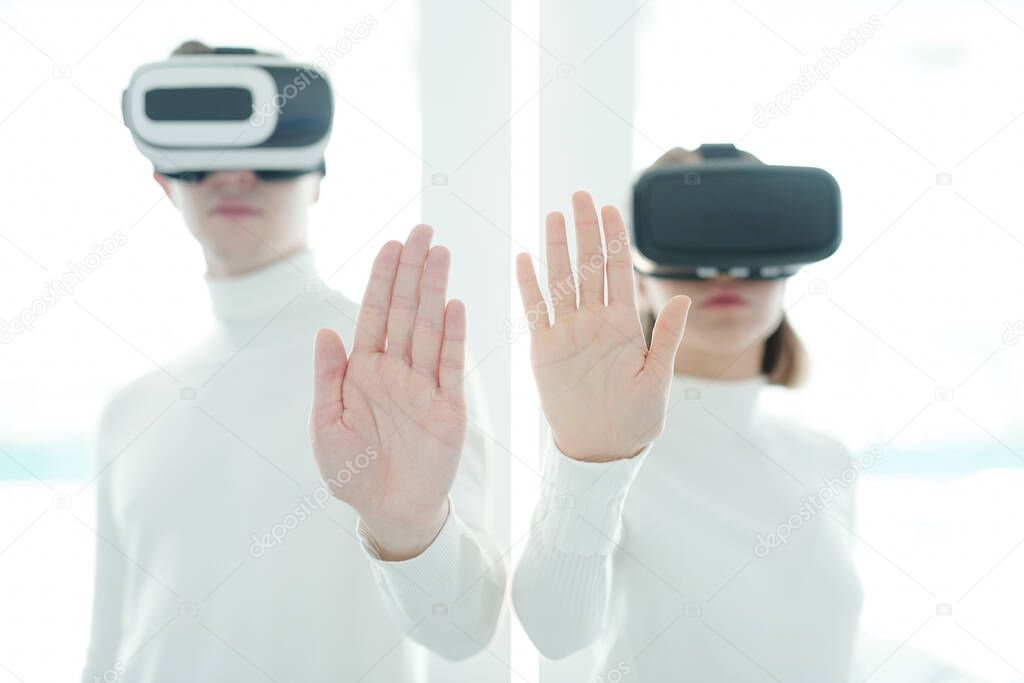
[[604, 393]]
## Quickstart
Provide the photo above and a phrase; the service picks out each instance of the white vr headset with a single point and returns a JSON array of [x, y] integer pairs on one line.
[[230, 109]]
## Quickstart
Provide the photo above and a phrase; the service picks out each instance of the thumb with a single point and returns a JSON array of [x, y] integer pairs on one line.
[[329, 364], [668, 333]]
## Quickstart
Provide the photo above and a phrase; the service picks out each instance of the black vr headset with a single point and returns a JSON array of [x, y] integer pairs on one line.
[[733, 218], [230, 109]]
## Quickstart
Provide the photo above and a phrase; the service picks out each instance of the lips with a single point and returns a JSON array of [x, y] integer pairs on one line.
[[235, 209], [725, 298]]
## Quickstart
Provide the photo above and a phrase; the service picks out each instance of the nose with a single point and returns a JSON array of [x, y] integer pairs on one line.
[[240, 178], [722, 279]]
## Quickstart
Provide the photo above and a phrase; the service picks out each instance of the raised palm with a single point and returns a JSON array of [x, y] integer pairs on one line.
[[604, 393], [388, 421]]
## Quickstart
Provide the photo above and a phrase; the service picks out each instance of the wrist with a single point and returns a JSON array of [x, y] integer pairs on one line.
[[395, 542], [608, 456]]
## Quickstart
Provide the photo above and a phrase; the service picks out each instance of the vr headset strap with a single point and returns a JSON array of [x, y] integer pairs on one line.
[[233, 51], [719, 151]]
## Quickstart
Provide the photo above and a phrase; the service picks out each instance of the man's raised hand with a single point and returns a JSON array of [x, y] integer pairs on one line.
[[389, 419]]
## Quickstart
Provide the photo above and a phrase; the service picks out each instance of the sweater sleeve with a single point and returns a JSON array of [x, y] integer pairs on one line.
[[562, 584], [449, 597], [107, 602]]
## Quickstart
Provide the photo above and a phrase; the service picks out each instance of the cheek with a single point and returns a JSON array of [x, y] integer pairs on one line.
[[768, 301], [283, 201], [774, 294], [192, 201]]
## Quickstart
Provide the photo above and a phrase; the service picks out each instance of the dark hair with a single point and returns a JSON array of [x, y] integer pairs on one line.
[[197, 47], [785, 359], [192, 47]]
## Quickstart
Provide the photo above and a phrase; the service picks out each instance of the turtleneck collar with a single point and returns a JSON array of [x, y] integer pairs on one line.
[[262, 293], [732, 400]]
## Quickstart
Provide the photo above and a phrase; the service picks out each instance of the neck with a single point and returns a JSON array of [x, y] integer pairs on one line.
[[260, 295], [715, 364], [233, 265]]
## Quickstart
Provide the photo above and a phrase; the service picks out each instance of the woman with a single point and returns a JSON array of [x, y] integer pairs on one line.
[[719, 552]]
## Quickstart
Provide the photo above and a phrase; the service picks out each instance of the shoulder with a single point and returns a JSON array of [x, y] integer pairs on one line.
[[340, 303], [820, 449], [137, 403], [821, 439], [323, 306], [823, 460]]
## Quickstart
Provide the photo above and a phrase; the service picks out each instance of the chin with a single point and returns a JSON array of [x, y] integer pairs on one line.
[[231, 241], [730, 319], [218, 223], [727, 333], [231, 233]]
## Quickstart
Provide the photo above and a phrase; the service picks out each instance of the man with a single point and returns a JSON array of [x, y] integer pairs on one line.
[[224, 554]]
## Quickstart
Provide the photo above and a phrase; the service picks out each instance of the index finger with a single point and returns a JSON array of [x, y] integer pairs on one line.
[[621, 285], [589, 259], [372, 321]]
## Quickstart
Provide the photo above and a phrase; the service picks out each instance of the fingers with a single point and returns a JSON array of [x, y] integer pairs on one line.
[[621, 285], [668, 333], [534, 306], [589, 258], [453, 351], [406, 292], [372, 321], [561, 284], [429, 327], [329, 363]]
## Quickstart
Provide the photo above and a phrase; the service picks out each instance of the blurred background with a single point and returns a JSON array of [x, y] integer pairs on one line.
[[479, 117]]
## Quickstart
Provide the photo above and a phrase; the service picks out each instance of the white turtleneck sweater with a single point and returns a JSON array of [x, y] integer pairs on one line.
[[221, 557], [656, 562]]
